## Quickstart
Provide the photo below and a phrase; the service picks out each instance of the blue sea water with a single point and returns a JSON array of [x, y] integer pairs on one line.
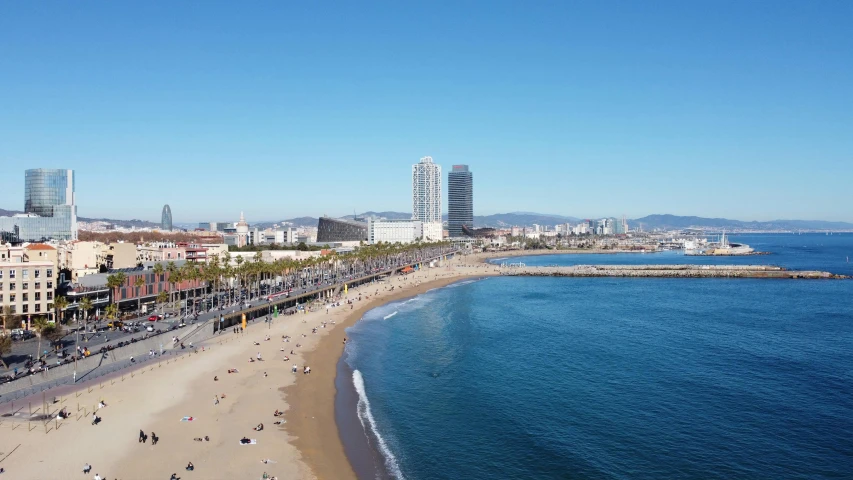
[[829, 253], [613, 378]]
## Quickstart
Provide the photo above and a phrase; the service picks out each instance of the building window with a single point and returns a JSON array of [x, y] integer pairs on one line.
[[38, 307], [1, 298], [49, 273], [25, 286], [12, 273], [37, 286], [50, 295], [12, 299], [37, 273], [38, 296], [14, 307], [25, 297], [49, 285], [12, 285], [25, 273], [49, 307], [1, 274], [25, 308]]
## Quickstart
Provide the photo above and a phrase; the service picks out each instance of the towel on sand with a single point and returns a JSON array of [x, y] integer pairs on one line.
[[188, 419], [251, 442]]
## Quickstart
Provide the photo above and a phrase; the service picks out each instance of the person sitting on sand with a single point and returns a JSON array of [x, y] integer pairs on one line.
[[279, 422], [277, 413], [190, 466], [265, 374], [245, 441], [87, 468], [102, 404], [259, 356], [286, 358], [255, 343], [216, 378], [251, 360], [174, 477], [259, 427]]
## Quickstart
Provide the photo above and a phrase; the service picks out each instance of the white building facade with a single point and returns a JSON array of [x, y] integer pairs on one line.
[[432, 232], [426, 191], [402, 231]]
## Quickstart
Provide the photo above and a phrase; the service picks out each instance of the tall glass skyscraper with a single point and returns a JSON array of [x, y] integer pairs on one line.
[[426, 191], [166, 218], [50, 212], [460, 200]]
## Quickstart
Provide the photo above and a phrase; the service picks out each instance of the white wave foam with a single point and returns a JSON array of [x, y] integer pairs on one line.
[[386, 317], [365, 416], [459, 284]]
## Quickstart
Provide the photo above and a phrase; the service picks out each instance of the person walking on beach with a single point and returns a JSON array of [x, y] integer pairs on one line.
[[216, 399], [141, 436], [154, 438]]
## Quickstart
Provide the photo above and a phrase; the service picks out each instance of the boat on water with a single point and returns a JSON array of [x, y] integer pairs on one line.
[[722, 248]]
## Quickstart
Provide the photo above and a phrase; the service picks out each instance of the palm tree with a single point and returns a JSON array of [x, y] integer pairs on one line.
[[172, 270], [85, 305], [60, 304], [111, 312], [39, 325], [115, 281], [239, 272], [162, 297], [139, 283]]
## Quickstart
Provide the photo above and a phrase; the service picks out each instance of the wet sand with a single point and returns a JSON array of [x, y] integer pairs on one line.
[[312, 415]]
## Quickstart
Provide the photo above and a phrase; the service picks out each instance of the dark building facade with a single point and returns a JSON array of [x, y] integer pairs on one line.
[[460, 201], [166, 218], [338, 230]]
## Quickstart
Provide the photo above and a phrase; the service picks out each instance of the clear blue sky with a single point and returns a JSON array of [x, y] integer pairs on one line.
[[725, 108]]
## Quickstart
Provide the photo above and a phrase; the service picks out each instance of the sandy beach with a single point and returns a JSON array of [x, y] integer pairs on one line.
[[156, 397]]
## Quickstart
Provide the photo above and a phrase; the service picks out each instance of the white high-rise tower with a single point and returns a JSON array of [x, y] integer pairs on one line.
[[426, 191]]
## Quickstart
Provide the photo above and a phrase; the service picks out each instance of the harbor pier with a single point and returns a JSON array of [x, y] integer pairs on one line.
[[669, 271]]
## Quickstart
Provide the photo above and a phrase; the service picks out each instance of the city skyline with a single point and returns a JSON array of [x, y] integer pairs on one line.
[[573, 108]]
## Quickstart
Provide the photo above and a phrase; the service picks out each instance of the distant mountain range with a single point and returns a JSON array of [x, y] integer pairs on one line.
[[675, 222], [503, 220], [497, 220], [650, 222], [121, 223]]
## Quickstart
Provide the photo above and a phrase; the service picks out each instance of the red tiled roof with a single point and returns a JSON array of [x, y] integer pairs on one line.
[[39, 246]]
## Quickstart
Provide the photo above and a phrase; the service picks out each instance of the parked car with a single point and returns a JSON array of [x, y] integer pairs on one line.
[[149, 328], [153, 318]]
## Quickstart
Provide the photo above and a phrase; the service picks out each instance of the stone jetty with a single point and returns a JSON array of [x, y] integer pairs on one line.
[[668, 271]]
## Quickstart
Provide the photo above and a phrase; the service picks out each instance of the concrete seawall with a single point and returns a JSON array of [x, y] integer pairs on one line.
[[670, 271]]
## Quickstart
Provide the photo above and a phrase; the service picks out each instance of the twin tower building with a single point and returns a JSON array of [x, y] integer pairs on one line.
[[426, 196]]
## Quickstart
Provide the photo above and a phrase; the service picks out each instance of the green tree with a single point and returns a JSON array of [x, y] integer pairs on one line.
[[39, 325], [85, 305], [162, 297], [60, 304], [115, 281], [5, 347], [9, 318], [139, 283]]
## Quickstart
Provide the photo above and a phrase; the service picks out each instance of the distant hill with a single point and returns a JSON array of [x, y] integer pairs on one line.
[[121, 223], [675, 222], [497, 220], [135, 223]]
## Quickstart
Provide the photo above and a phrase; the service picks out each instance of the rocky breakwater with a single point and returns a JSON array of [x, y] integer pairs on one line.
[[669, 271]]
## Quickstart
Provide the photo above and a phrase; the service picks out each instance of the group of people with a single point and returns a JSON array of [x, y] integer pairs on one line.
[[143, 438]]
